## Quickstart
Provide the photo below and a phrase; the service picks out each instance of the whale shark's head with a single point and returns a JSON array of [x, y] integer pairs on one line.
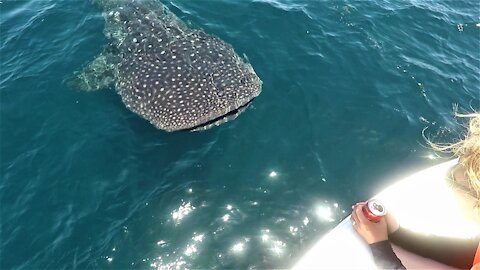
[[174, 95], [231, 95], [187, 81], [174, 76]]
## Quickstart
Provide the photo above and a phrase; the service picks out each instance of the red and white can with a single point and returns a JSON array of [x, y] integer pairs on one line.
[[374, 210]]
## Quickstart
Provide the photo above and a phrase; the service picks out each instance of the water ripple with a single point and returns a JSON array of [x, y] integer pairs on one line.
[[349, 87]]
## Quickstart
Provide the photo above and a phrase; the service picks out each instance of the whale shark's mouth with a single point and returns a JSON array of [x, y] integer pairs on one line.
[[221, 119]]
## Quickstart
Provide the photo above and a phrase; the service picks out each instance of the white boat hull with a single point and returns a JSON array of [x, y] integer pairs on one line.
[[422, 202]]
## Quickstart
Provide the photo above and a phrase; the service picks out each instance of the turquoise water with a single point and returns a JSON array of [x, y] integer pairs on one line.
[[348, 88]]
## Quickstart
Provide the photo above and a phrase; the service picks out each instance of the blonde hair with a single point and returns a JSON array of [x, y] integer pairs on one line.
[[468, 152]]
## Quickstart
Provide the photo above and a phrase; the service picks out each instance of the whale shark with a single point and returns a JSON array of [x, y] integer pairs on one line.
[[176, 76]]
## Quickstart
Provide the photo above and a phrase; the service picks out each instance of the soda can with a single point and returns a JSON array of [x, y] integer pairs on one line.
[[374, 210]]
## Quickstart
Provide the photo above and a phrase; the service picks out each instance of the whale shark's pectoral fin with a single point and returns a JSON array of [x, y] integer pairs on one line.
[[99, 74]]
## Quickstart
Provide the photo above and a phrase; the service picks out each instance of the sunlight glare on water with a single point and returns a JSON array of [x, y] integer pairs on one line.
[[350, 89]]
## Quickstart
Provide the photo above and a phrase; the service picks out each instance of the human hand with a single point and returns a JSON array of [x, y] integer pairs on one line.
[[371, 232]]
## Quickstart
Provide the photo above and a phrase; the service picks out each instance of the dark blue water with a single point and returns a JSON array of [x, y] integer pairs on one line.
[[348, 88]]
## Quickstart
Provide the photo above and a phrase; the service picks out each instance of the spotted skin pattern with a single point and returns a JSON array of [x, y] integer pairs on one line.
[[175, 76]]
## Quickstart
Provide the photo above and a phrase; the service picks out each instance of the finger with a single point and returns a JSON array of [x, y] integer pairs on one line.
[[361, 217], [382, 221], [353, 215], [356, 213], [354, 220]]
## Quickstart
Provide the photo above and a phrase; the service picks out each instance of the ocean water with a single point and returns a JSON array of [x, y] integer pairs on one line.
[[348, 89]]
